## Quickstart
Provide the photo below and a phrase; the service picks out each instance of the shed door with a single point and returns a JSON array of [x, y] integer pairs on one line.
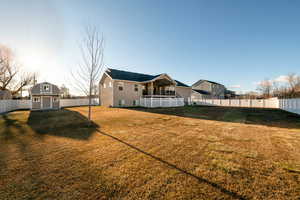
[[46, 102]]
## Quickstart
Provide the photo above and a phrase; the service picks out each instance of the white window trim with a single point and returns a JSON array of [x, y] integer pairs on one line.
[[104, 85], [120, 84], [136, 86], [110, 84], [38, 99], [44, 91]]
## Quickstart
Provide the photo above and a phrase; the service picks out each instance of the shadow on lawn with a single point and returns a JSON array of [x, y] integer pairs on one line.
[[200, 179], [256, 116], [62, 123]]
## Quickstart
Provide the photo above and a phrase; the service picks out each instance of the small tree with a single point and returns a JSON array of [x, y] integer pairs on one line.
[[89, 69], [293, 83]]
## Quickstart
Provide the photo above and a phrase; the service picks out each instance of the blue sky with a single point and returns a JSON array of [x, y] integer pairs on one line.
[[229, 41]]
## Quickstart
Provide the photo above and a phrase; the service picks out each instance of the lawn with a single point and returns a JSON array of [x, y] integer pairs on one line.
[[171, 153]]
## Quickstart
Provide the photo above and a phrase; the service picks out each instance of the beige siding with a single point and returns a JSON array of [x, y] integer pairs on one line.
[[128, 94], [106, 94], [184, 92], [203, 86], [196, 95], [36, 105], [216, 90]]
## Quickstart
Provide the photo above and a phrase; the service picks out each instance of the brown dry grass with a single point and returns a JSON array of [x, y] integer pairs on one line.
[[178, 153]]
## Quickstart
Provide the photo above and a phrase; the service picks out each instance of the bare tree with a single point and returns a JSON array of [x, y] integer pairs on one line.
[[64, 91], [293, 83], [265, 87], [89, 69], [11, 77]]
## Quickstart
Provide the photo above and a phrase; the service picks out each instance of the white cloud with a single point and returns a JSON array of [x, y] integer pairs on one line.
[[235, 86], [282, 79], [279, 79]]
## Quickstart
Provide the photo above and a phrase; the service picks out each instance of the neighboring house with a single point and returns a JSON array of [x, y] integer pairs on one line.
[[44, 96], [5, 95], [123, 88], [229, 94], [208, 89]]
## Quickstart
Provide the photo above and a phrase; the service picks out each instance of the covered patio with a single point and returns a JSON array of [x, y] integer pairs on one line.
[[162, 86]]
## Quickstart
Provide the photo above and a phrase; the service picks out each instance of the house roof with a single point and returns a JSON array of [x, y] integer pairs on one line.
[[202, 92], [202, 80], [181, 84], [133, 76]]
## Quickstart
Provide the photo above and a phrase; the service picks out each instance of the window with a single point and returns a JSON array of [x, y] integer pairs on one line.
[[110, 84], [120, 86], [136, 88], [121, 102], [135, 102], [46, 88], [104, 85], [36, 99], [55, 99]]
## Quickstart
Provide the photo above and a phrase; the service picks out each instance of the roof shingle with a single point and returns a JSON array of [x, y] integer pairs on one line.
[[133, 76]]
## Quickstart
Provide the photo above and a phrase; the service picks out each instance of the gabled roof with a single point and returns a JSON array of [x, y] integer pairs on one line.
[[202, 80], [133, 76], [181, 84], [129, 76], [202, 92]]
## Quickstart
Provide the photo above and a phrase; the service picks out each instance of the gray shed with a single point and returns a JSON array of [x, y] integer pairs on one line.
[[44, 96]]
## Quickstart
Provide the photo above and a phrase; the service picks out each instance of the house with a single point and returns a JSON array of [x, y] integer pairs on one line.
[[229, 94], [5, 95], [123, 88], [44, 96], [208, 89]]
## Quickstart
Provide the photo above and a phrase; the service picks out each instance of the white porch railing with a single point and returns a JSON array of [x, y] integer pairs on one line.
[[161, 102]]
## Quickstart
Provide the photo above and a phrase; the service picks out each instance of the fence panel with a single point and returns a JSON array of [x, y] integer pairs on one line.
[[235, 102], [10, 105], [291, 105], [161, 102], [77, 102], [246, 103]]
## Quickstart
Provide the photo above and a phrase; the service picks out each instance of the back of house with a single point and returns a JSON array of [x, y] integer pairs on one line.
[[120, 88]]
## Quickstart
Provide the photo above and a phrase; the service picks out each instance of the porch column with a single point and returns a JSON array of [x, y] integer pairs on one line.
[[151, 88], [175, 90]]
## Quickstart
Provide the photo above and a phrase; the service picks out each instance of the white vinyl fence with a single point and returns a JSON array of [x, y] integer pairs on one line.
[[251, 103], [77, 102], [161, 102], [291, 105], [10, 105]]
